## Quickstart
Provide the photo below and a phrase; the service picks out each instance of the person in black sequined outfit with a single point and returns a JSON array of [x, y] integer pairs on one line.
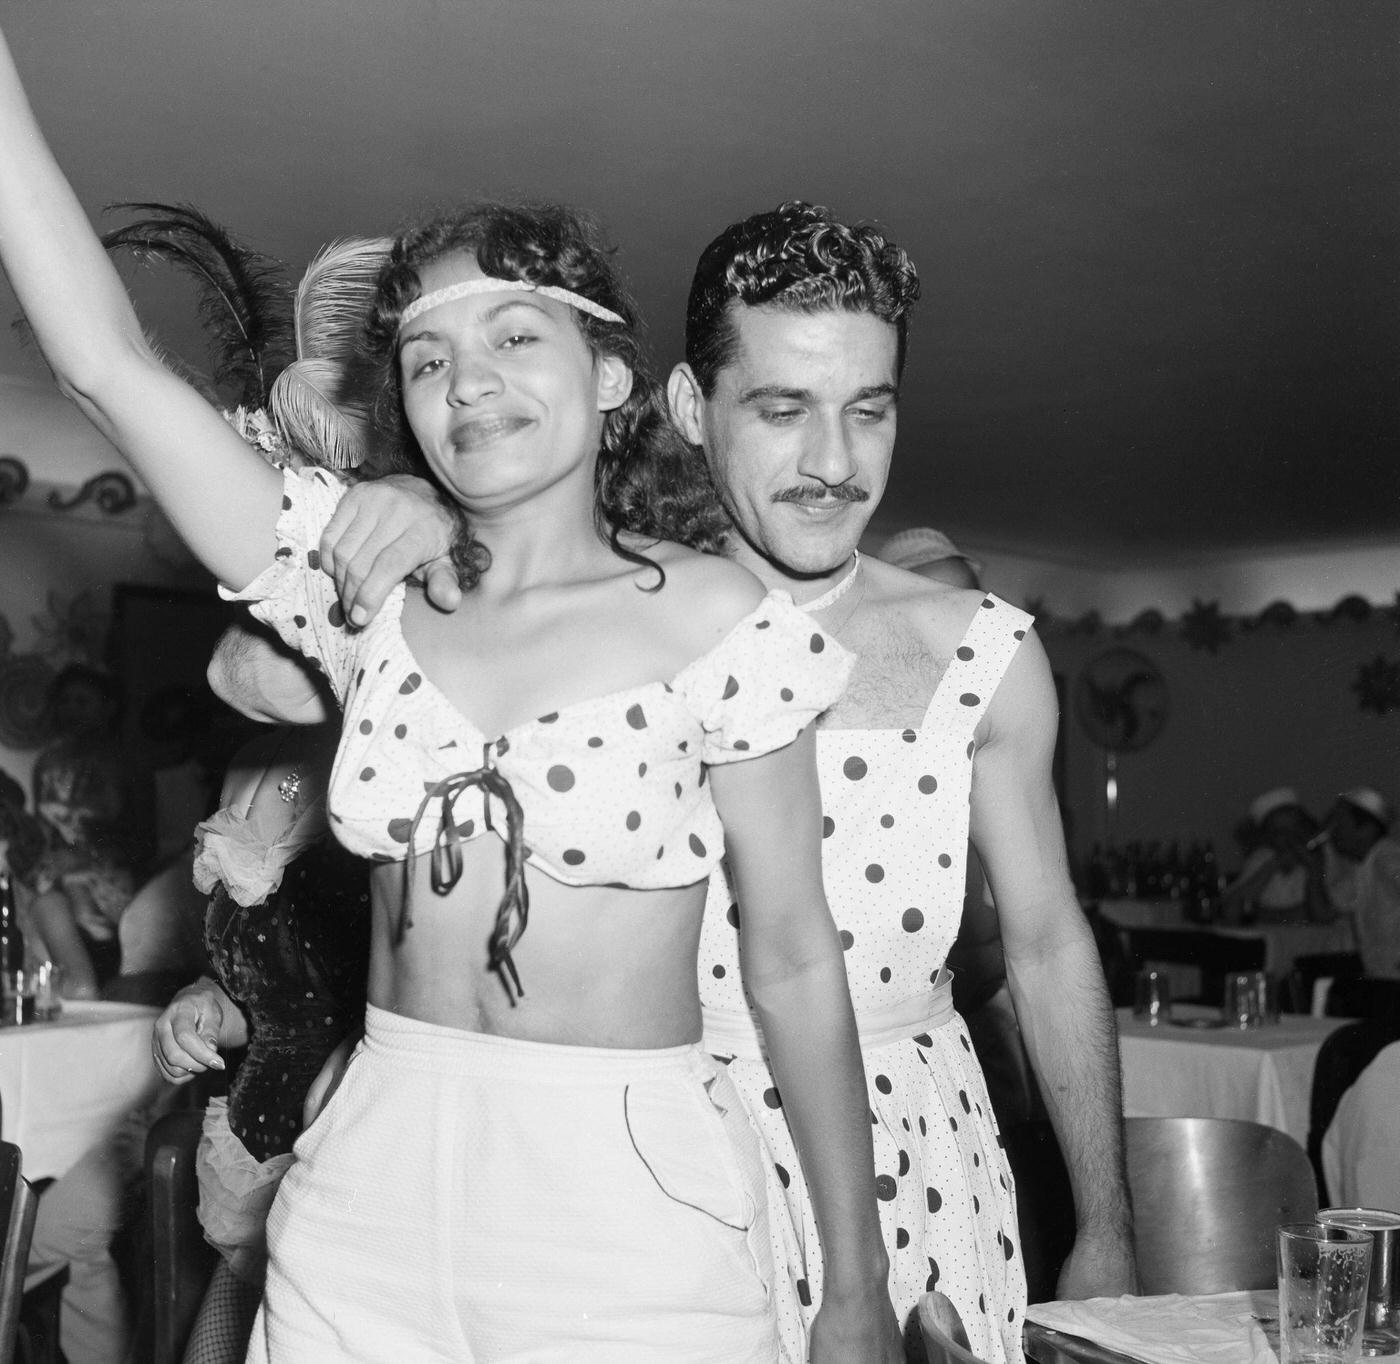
[[287, 935]]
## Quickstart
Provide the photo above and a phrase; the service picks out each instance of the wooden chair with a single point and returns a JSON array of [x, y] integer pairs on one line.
[[1207, 1194], [942, 1333], [34, 1338], [1311, 967], [181, 1260], [17, 1210]]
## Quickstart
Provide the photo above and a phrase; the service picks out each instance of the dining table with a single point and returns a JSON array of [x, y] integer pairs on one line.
[[68, 1083], [1194, 1065]]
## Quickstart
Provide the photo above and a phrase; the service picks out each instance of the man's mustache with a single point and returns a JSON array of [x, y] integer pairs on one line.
[[819, 492]]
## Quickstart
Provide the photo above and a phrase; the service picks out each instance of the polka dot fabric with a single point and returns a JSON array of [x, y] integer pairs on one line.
[[895, 828], [613, 788]]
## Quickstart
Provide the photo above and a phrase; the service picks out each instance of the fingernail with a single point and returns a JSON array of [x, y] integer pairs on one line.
[[358, 615], [217, 1063]]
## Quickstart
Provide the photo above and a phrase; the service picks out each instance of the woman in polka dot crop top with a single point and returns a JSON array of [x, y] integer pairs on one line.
[[613, 788], [584, 1113]]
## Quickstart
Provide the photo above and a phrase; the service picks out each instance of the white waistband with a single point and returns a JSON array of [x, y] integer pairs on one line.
[[737, 1034]]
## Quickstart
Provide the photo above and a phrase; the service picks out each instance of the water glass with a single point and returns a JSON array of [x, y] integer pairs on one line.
[[1322, 1276], [1242, 1008], [1266, 996], [1152, 996], [1380, 1331], [48, 991]]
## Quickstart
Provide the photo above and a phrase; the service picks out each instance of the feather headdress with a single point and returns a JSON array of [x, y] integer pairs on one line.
[[244, 298], [318, 401]]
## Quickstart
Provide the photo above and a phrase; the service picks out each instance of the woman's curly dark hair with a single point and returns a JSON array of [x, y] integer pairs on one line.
[[649, 481], [798, 257]]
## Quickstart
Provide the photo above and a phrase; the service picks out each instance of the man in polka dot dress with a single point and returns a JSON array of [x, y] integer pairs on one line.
[[795, 347], [794, 352]]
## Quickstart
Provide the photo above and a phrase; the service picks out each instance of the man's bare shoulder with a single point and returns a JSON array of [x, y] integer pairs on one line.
[[937, 612]]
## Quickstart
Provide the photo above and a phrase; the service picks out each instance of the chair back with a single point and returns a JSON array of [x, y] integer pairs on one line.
[[1207, 1196], [1215, 954], [181, 1259], [1370, 997], [18, 1206], [942, 1333], [1340, 1060]]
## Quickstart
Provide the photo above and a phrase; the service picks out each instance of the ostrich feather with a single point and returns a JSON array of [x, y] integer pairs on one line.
[[319, 403], [316, 413], [334, 297], [244, 299]]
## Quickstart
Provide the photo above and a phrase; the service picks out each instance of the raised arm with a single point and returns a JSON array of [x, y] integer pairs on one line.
[[1053, 969], [795, 973], [218, 493]]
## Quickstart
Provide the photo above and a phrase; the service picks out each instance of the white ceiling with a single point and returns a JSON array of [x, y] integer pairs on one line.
[[1160, 241]]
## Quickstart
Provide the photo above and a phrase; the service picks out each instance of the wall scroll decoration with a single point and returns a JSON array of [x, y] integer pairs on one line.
[[110, 490], [1205, 626], [14, 479]]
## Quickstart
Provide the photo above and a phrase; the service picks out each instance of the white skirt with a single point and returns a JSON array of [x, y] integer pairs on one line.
[[474, 1198]]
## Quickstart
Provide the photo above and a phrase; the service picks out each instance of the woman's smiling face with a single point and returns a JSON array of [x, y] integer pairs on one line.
[[501, 390]]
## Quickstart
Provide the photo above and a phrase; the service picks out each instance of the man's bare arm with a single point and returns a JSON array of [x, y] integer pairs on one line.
[[256, 674], [1053, 969]]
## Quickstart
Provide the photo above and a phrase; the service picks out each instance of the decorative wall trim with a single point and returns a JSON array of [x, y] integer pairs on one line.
[[110, 491], [1206, 626], [109, 496], [14, 479]]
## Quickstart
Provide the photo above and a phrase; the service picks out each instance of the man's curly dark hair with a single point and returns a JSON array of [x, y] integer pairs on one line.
[[649, 481], [797, 257]]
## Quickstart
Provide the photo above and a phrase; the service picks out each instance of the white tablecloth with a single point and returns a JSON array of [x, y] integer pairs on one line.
[[67, 1084], [1262, 1074]]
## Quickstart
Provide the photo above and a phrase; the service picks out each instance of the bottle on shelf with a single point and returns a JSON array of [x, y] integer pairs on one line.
[[11, 935]]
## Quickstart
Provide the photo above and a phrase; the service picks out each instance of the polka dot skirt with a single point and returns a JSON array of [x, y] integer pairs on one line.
[[895, 836]]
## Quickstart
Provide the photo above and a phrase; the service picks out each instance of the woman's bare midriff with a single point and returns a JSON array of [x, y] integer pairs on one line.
[[599, 966]]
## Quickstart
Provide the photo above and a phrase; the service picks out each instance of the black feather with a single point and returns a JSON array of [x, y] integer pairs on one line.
[[245, 301]]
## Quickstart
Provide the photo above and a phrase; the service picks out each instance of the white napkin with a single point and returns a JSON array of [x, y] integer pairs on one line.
[[1171, 1329]]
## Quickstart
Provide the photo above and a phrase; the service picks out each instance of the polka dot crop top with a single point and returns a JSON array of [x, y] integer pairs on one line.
[[610, 790]]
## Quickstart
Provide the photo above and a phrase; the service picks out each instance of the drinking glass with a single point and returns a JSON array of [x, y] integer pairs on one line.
[[1152, 996], [1322, 1275], [48, 991], [1266, 997], [1242, 1006], [1380, 1331]]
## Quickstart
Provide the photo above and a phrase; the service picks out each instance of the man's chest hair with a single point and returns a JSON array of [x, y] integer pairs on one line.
[[895, 675]]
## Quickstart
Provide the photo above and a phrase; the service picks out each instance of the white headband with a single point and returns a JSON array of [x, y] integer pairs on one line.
[[467, 288]]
